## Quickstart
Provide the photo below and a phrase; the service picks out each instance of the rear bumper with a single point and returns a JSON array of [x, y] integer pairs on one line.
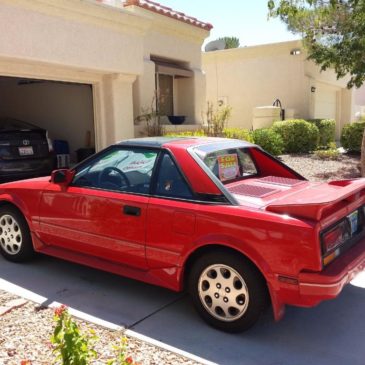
[[310, 288], [315, 287], [23, 169]]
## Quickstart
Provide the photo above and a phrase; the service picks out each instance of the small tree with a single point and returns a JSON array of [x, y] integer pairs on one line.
[[334, 36], [231, 42], [152, 117], [216, 119]]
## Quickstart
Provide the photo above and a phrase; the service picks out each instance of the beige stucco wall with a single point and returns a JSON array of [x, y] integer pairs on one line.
[[80, 34], [175, 41], [251, 77], [327, 80], [83, 42], [103, 45], [359, 103], [360, 95]]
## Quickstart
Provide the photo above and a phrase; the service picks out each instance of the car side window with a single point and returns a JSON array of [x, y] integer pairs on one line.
[[170, 182], [124, 170]]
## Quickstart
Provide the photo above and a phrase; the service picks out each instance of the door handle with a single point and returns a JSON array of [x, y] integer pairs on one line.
[[131, 210]]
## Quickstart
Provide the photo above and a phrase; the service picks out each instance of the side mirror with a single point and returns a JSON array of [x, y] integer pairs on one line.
[[62, 176]]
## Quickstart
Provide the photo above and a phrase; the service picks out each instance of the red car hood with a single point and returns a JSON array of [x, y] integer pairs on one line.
[[298, 198], [36, 183]]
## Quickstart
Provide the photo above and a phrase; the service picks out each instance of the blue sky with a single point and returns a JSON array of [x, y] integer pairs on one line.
[[245, 19]]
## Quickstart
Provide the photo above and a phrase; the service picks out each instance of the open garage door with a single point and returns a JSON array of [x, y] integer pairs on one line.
[[64, 109]]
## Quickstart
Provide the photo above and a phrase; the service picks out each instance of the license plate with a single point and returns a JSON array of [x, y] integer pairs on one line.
[[353, 219], [26, 151]]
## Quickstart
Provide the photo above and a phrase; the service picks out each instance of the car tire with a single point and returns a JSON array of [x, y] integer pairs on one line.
[[15, 240], [228, 291]]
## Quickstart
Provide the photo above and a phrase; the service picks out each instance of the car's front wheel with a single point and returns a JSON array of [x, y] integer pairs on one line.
[[228, 291], [15, 240]]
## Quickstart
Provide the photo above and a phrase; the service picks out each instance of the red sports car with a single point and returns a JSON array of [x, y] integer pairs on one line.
[[217, 217]]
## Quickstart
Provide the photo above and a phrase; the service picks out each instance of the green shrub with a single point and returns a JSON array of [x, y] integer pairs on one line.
[[331, 153], [327, 154], [327, 130], [351, 136], [299, 136], [238, 133], [269, 140], [197, 133]]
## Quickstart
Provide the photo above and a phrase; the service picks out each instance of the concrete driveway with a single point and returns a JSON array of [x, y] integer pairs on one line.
[[332, 333]]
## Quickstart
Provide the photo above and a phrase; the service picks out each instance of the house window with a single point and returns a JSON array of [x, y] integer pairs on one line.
[[165, 92], [171, 81]]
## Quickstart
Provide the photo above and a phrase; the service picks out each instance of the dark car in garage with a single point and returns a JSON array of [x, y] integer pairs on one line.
[[25, 150]]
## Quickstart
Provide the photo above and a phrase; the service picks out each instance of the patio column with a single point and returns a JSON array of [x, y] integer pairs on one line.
[[116, 104], [199, 103], [144, 88]]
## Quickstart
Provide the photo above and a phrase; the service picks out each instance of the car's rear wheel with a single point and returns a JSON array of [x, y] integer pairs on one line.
[[228, 291], [15, 240]]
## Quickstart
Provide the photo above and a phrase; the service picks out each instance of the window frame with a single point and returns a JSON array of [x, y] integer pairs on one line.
[[90, 160], [155, 177], [197, 198], [158, 92], [246, 149]]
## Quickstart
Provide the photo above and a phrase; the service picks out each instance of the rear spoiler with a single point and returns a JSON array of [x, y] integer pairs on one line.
[[312, 202]]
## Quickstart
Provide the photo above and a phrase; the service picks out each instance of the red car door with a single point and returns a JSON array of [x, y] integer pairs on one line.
[[103, 211]]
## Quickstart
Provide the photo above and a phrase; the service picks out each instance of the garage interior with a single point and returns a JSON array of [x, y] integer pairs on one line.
[[64, 109]]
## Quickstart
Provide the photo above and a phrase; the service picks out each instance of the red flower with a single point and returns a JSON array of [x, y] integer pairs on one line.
[[25, 362], [59, 311], [129, 360]]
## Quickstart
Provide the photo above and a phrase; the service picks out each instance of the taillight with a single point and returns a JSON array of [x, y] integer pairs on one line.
[[339, 237], [50, 145], [336, 236]]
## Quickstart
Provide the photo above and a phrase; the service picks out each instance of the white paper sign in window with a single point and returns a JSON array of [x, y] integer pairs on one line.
[[228, 166]]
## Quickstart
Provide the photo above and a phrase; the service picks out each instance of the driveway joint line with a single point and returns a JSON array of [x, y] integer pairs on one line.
[[184, 295]]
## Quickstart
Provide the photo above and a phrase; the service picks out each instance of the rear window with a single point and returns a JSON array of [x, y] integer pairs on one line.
[[15, 125], [228, 164]]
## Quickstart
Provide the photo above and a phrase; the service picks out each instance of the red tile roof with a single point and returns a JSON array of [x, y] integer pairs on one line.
[[164, 10]]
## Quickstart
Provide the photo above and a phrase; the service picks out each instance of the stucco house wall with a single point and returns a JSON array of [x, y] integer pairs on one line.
[[360, 102], [106, 44], [176, 42], [250, 77]]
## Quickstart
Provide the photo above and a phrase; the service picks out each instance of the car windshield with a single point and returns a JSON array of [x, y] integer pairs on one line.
[[134, 164], [227, 162], [15, 125]]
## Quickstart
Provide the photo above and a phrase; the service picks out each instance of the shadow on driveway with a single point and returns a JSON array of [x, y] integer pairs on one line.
[[332, 333]]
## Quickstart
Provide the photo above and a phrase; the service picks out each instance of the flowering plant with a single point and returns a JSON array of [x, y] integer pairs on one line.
[[72, 347]]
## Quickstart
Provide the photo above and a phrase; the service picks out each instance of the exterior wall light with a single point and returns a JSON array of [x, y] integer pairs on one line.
[[295, 52], [313, 89]]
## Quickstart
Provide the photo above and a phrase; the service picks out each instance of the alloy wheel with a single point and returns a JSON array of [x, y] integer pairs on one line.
[[223, 292], [10, 235]]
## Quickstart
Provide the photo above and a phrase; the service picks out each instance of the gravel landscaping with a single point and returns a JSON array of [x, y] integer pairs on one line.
[[316, 169], [26, 329]]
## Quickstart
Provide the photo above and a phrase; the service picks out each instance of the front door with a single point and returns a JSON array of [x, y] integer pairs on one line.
[[103, 211]]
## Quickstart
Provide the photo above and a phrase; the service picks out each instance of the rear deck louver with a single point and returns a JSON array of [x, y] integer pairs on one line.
[[251, 190], [283, 181]]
